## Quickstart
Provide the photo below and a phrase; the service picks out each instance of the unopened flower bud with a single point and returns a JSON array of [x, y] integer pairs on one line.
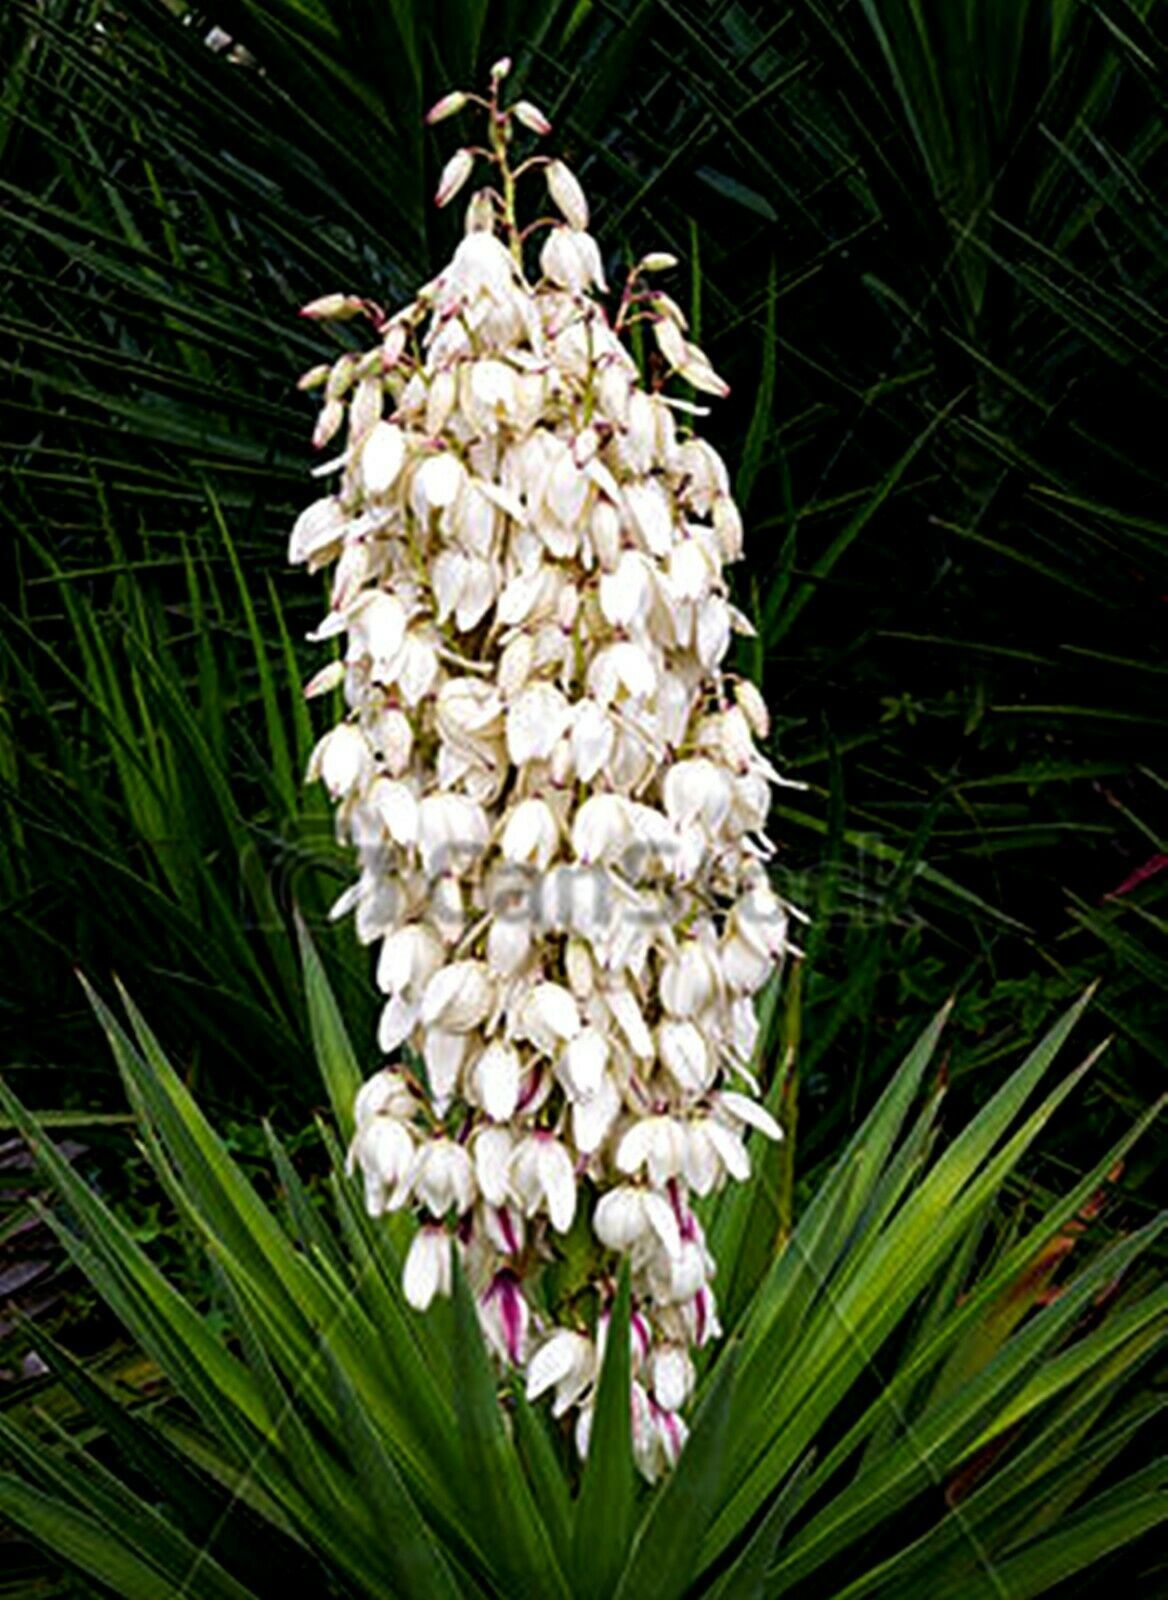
[[328, 423], [565, 190], [393, 345], [480, 212], [327, 679], [449, 106], [333, 308], [340, 377], [454, 174], [531, 117]]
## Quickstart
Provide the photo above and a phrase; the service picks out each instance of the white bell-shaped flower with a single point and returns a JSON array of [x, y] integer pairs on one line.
[[384, 1151], [542, 1178], [628, 1216], [443, 1178], [458, 997], [565, 1362], [429, 1267], [343, 760], [494, 1081]]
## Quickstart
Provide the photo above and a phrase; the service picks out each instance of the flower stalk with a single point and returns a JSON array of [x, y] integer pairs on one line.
[[552, 786]]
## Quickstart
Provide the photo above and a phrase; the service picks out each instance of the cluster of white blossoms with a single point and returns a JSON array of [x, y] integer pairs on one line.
[[551, 785]]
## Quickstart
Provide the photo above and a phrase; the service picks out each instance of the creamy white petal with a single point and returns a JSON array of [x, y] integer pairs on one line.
[[673, 1376], [492, 1158], [537, 718], [399, 1017], [592, 739], [731, 1150], [343, 760], [496, 1080], [564, 188], [750, 1112], [531, 834], [659, 1215], [428, 1269], [382, 457], [559, 1184], [583, 1062], [594, 1116], [549, 1016], [443, 1053], [458, 997], [686, 1056], [318, 528]]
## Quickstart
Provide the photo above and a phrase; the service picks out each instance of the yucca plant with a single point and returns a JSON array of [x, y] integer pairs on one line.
[[918, 1394], [914, 1394]]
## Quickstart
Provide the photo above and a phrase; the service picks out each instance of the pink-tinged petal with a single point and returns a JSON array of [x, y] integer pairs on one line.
[[531, 117], [1150, 868], [449, 105], [514, 1313], [672, 1431], [507, 1231], [333, 308], [454, 174]]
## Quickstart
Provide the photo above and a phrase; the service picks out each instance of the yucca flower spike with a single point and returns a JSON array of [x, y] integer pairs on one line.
[[550, 780]]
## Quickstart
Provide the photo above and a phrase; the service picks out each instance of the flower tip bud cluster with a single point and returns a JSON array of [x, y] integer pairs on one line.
[[552, 786]]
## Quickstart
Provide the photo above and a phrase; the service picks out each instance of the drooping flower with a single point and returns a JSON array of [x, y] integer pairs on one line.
[[428, 1270], [551, 783]]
